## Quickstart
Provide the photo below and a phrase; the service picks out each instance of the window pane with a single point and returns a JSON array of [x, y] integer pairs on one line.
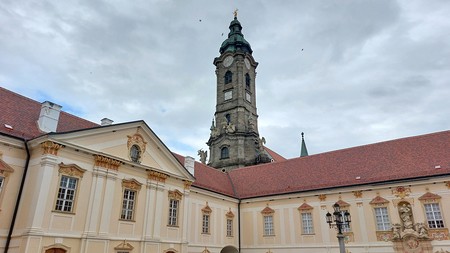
[[66, 194], [434, 216], [173, 210], [307, 225], [382, 219], [229, 227], [268, 225], [128, 204]]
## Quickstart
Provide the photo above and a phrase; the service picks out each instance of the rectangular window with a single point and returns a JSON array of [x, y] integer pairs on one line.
[[229, 227], [128, 202], [434, 217], [173, 212], [382, 219], [66, 194], [205, 224], [268, 225], [307, 223]]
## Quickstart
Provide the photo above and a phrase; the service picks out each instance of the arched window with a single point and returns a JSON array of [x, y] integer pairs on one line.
[[135, 153], [247, 81], [224, 153], [228, 77], [228, 117]]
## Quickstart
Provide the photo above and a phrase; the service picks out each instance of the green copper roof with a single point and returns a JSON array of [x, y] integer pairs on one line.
[[304, 151], [235, 41]]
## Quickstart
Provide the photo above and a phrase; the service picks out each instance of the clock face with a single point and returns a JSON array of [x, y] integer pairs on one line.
[[228, 60], [247, 63]]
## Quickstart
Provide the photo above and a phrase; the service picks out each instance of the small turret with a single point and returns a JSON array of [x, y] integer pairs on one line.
[[303, 151]]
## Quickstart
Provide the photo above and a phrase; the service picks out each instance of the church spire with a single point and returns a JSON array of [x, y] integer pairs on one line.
[[304, 151]]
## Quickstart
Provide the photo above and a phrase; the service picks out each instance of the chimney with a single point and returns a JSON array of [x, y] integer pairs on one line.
[[106, 122], [189, 164], [49, 116]]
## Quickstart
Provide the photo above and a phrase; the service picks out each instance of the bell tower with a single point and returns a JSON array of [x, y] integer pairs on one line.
[[234, 141]]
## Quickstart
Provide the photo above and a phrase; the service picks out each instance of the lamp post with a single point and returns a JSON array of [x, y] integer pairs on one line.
[[338, 220]]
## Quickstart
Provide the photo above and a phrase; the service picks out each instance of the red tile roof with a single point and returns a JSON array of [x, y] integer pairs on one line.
[[209, 178], [275, 156], [22, 113], [405, 158]]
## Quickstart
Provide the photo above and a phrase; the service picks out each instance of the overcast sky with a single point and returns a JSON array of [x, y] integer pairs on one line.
[[347, 73]]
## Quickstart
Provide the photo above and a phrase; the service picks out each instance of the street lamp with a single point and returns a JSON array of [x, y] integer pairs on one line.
[[340, 220]]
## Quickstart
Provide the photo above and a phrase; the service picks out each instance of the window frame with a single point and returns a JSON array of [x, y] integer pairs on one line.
[[229, 225], [307, 230], [61, 207], [268, 225], [174, 205], [175, 196], [135, 153], [72, 171], [127, 213], [224, 153], [206, 221], [434, 219], [383, 224], [228, 77]]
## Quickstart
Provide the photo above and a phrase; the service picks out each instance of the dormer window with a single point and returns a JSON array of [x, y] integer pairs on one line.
[[228, 77]]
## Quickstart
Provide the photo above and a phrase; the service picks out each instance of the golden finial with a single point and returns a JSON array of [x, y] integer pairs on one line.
[[235, 12]]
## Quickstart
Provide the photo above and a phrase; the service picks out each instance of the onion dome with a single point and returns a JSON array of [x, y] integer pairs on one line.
[[235, 41]]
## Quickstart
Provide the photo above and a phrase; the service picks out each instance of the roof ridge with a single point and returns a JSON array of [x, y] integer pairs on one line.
[[370, 144]]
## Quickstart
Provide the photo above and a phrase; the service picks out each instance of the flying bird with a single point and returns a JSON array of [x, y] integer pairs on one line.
[[199, 20]]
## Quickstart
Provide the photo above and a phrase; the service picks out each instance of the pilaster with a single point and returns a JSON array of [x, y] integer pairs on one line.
[[108, 201]]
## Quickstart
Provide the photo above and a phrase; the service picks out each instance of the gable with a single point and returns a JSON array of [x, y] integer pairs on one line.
[[122, 142]]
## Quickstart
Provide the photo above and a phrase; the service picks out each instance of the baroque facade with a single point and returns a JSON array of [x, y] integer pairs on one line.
[[68, 185]]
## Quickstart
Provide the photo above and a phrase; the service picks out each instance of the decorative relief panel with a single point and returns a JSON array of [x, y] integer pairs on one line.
[[304, 207], [206, 209], [401, 192], [5, 169], [384, 236], [157, 176], [429, 198], [357, 194], [106, 162], [267, 210], [322, 197], [379, 201], [229, 214], [439, 234], [50, 148], [124, 246], [176, 194], [349, 237], [132, 184], [136, 139], [187, 185], [72, 170]]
